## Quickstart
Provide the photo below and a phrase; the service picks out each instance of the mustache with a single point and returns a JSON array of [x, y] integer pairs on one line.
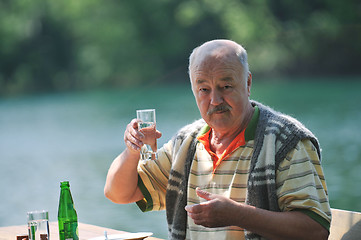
[[219, 108]]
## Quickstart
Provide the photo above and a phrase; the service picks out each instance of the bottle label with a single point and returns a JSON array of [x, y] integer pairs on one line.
[[71, 231]]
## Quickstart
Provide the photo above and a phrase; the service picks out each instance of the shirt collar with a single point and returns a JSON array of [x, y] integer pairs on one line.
[[249, 132]]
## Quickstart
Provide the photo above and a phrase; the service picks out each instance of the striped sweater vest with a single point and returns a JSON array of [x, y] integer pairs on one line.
[[276, 135]]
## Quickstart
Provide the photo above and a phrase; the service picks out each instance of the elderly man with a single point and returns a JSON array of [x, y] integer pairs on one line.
[[244, 171]]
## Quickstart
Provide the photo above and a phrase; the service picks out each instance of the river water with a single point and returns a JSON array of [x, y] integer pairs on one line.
[[46, 139]]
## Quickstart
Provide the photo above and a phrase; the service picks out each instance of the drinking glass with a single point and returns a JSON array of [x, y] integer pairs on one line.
[[148, 127], [38, 225]]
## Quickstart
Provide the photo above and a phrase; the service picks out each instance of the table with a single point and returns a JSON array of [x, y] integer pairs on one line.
[[86, 231]]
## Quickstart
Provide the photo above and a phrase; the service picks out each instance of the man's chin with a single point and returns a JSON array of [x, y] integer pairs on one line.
[[219, 123]]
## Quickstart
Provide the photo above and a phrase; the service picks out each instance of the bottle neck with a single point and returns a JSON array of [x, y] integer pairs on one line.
[[66, 201], [66, 195], [66, 209]]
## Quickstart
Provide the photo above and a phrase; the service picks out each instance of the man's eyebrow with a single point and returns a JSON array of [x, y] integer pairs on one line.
[[200, 81]]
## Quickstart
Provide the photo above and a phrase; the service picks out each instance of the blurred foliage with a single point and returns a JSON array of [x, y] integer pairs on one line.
[[52, 45]]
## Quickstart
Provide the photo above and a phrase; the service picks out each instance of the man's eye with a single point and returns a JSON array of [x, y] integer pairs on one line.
[[203, 89]]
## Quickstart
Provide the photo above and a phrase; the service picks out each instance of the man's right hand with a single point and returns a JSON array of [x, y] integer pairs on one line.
[[134, 138]]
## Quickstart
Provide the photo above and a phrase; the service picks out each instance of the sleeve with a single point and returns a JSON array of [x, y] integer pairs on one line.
[[153, 179], [301, 184]]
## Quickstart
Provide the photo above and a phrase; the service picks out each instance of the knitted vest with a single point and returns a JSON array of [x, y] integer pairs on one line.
[[276, 135]]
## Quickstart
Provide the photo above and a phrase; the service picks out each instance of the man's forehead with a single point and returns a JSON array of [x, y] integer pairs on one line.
[[215, 59], [216, 66], [223, 79], [222, 57]]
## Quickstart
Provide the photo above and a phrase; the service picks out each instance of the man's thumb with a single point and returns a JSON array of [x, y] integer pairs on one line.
[[204, 194]]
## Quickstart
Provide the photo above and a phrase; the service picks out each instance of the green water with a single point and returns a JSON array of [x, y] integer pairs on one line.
[[75, 136]]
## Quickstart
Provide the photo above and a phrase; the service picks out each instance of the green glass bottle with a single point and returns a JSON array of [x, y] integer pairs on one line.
[[67, 217]]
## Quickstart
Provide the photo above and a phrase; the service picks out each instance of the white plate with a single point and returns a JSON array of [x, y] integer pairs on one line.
[[125, 236]]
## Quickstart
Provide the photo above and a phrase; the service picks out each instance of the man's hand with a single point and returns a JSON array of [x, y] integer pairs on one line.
[[213, 213], [135, 139], [219, 211]]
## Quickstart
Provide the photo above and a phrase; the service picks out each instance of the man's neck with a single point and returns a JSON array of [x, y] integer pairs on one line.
[[219, 141]]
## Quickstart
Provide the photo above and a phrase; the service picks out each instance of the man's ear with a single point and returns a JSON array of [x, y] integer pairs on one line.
[[249, 83]]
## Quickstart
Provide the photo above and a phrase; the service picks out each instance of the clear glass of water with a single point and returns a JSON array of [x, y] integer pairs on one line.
[[38, 225], [147, 126]]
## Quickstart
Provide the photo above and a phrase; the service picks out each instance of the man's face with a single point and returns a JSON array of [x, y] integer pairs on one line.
[[221, 92]]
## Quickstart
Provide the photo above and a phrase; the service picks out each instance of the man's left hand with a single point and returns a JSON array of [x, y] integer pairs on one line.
[[217, 211]]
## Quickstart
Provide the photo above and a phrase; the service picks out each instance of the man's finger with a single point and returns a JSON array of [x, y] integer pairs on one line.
[[193, 208]]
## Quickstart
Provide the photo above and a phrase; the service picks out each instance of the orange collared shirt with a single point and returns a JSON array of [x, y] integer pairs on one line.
[[237, 142]]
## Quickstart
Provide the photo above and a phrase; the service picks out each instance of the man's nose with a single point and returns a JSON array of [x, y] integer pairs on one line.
[[216, 98]]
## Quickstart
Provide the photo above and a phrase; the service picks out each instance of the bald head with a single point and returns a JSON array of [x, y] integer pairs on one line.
[[225, 49]]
